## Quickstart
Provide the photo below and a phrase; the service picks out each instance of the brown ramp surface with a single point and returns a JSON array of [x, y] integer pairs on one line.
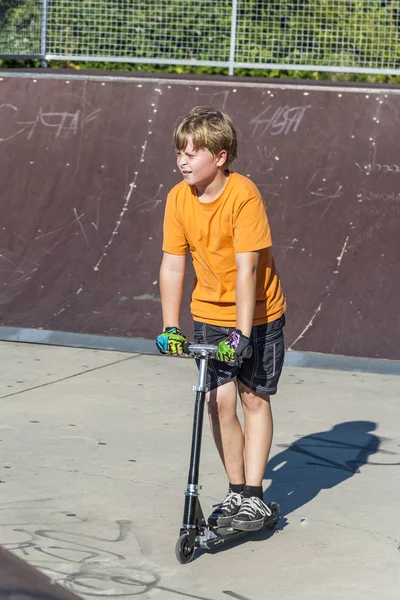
[[20, 581], [86, 163]]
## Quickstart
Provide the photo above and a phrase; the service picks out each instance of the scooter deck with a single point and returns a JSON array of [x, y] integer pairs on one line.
[[222, 535]]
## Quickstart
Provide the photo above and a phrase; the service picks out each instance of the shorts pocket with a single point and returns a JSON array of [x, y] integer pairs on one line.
[[266, 338]]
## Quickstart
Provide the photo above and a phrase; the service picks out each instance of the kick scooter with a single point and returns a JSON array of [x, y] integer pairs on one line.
[[195, 532]]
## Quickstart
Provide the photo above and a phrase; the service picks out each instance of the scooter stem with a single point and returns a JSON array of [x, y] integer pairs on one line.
[[193, 478], [192, 491]]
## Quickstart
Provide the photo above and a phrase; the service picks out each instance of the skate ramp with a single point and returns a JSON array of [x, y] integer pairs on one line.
[[20, 581], [86, 163]]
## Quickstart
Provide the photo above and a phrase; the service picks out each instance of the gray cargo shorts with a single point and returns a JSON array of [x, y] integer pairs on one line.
[[262, 371]]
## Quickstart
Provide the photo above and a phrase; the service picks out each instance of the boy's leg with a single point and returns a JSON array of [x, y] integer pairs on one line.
[[221, 403], [228, 437], [225, 425], [226, 430], [258, 431], [258, 379]]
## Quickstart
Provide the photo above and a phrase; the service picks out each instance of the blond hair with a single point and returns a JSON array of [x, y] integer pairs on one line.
[[209, 129]]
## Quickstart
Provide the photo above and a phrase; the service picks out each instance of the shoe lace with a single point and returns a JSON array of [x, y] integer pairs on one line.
[[231, 500], [251, 505]]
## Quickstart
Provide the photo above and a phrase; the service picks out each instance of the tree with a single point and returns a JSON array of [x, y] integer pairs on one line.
[[146, 29], [20, 27], [352, 33], [329, 33]]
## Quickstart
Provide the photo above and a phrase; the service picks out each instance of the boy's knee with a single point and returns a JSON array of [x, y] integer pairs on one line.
[[243, 389], [251, 400], [222, 399]]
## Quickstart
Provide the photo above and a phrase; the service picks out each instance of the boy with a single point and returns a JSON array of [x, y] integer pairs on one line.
[[237, 302]]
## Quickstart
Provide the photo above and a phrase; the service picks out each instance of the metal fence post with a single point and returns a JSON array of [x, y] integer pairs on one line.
[[232, 53], [43, 32]]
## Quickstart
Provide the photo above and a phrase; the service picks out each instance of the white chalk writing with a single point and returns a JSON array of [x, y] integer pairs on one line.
[[369, 196], [375, 167], [378, 168], [283, 120], [61, 123]]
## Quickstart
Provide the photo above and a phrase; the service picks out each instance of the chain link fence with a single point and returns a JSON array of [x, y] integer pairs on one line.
[[173, 32], [22, 28], [331, 35], [336, 35]]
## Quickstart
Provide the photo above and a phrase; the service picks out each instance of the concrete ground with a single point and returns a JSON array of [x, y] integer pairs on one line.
[[95, 450]]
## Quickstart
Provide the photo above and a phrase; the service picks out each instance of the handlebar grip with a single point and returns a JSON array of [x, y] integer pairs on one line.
[[186, 347], [247, 352]]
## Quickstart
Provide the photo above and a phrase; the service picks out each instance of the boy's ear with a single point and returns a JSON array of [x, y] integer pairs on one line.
[[221, 158]]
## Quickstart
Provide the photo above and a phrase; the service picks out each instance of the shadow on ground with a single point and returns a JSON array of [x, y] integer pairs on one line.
[[315, 462], [319, 461]]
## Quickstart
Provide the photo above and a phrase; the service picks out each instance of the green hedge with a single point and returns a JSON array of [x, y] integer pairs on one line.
[[352, 33], [20, 26]]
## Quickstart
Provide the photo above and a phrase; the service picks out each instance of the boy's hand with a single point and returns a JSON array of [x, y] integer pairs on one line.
[[171, 341], [235, 346]]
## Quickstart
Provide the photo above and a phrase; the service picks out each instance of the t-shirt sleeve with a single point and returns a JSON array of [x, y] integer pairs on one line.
[[174, 239], [251, 229]]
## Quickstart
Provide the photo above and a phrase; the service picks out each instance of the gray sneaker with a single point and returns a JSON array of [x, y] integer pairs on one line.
[[225, 511], [252, 515]]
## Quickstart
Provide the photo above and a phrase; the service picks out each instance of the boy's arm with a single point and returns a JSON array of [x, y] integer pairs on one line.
[[246, 278], [172, 274]]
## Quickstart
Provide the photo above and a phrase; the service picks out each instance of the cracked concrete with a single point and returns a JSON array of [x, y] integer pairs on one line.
[[364, 530], [95, 450]]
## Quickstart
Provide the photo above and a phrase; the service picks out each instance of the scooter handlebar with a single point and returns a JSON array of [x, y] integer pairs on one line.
[[199, 350]]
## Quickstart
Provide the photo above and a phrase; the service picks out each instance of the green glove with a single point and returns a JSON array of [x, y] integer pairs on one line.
[[171, 341], [234, 347]]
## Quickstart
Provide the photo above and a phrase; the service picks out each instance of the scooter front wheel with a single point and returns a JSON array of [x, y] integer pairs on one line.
[[183, 550]]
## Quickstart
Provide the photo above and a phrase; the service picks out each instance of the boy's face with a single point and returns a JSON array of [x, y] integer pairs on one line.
[[199, 167]]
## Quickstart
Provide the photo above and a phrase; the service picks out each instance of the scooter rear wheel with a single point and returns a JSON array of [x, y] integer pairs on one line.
[[275, 510], [183, 551]]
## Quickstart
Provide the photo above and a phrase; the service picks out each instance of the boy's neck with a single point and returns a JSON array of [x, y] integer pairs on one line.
[[211, 191]]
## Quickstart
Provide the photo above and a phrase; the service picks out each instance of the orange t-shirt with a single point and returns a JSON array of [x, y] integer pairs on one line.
[[235, 222]]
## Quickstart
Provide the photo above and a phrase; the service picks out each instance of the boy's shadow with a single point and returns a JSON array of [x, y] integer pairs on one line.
[[319, 461], [313, 463]]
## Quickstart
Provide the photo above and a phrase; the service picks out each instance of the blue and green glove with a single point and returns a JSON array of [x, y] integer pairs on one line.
[[235, 347], [171, 341]]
